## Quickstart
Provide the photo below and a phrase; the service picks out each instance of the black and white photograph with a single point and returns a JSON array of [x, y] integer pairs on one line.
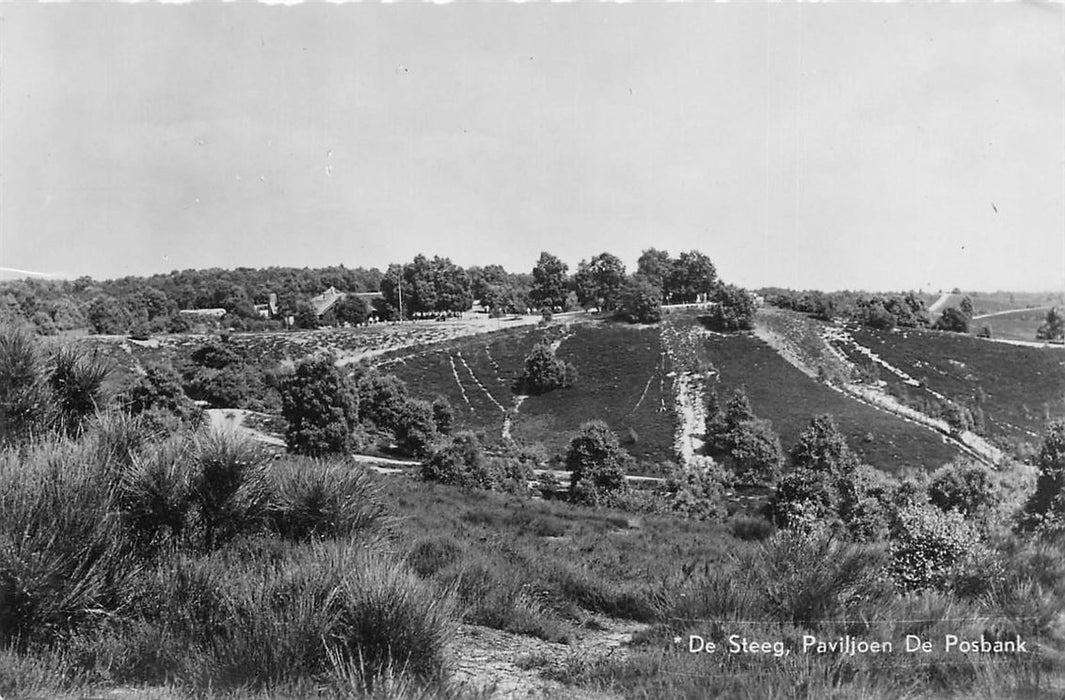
[[500, 350]]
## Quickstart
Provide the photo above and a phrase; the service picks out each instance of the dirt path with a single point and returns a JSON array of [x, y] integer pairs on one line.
[[1011, 311], [233, 419], [510, 666]]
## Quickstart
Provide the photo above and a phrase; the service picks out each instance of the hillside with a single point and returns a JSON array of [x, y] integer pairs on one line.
[[1018, 388]]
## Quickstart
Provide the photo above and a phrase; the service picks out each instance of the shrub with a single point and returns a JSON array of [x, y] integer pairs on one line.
[[382, 399], [443, 415], [597, 463], [734, 310], [416, 428], [1045, 509], [157, 394], [461, 462], [641, 301], [756, 456], [696, 494], [969, 488], [811, 576], [544, 372], [927, 545], [320, 407]]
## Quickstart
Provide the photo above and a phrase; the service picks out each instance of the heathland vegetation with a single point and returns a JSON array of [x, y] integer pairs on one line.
[[146, 549]]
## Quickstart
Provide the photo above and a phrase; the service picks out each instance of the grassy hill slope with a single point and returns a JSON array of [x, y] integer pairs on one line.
[[780, 392], [1024, 386]]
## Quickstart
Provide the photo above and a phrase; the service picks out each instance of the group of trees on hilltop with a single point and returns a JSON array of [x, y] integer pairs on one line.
[[427, 286], [877, 311], [422, 287]]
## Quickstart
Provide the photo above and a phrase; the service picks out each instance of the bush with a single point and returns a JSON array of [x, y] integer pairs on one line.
[[461, 462], [158, 394], [416, 428], [597, 463], [969, 488], [320, 407], [756, 456], [695, 494], [811, 576], [544, 372], [734, 310], [1045, 509], [641, 302], [928, 545]]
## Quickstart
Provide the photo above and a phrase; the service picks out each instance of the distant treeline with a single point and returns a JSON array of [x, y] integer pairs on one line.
[[247, 299]]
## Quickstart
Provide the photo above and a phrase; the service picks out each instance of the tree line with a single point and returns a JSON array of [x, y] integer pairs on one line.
[[422, 287]]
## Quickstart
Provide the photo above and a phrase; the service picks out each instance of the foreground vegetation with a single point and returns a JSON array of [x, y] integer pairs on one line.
[[138, 548]]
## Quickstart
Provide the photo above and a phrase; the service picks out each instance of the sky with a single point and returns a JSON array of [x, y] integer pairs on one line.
[[831, 146]]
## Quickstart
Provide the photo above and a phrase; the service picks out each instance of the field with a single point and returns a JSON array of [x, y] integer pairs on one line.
[[622, 380], [780, 392], [1025, 387], [1014, 325]]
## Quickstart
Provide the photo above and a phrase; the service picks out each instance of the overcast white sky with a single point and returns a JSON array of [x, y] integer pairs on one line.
[[875, 146]]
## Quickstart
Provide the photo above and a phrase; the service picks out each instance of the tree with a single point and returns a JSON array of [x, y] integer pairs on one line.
[[655, 266], [416, 428], [382, 398], [756, 456], [692, 275], [641, 301], [443, 415], [1053, 328], [968, 488], [734, 310], [1046, 506], [352, 310], [822, 447], [320, 406], [544, 372], [953, 320], [108, 316], [819, 486], [305, 317], [966, 307], [549, 282], [599, 282], [597, 463]]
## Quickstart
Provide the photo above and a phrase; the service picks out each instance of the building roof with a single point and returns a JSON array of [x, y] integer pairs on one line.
[[324, 301]]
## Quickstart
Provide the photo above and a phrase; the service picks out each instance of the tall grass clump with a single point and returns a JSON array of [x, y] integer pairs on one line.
[[24, 394], [63, 558], [261, 619], [229, 487], [313, 499], [76, 378]]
